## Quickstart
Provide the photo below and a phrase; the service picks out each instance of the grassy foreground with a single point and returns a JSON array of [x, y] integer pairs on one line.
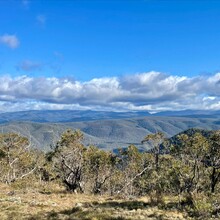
[[56, 204]]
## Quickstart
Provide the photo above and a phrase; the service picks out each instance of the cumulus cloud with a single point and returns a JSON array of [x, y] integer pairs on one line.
[[9, 40], [29, 65], [152, 91]]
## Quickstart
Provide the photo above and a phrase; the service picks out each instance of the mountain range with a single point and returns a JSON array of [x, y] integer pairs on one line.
[[58, 116], [107, 130]]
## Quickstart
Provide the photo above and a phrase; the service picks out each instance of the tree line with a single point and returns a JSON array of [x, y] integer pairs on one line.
[[184, 165]]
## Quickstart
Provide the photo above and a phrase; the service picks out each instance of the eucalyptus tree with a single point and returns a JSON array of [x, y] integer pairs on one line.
[[154, 141], [212, 159], [188, 161], [68, 158], [133, 164], [99, 168], [17, 159]]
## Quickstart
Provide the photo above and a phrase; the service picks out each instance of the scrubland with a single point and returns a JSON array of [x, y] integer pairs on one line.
[[179, 178]]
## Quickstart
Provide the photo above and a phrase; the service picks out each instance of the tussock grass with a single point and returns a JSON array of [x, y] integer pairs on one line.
[[52, 202]]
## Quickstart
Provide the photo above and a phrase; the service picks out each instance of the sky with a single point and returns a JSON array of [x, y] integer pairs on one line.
[[113, 55]]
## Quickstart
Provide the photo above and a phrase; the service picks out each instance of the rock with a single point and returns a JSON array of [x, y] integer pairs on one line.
[[78, 204]]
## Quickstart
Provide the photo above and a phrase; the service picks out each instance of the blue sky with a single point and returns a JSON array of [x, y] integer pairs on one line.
[[80, 48]]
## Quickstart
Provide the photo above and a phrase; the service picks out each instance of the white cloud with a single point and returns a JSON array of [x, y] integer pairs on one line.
[[9, 40], [152, 91]]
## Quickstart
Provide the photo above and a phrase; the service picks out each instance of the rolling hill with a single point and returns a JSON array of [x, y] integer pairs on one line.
[[111, 133]]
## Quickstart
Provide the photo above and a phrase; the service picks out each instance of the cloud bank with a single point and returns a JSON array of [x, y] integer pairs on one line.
[[9, 40], [151, 91]]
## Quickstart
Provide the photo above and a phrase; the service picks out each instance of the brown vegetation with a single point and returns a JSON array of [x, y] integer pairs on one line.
[[53, 202]]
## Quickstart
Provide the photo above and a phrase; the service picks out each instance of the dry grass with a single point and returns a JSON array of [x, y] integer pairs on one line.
[[56, 204]]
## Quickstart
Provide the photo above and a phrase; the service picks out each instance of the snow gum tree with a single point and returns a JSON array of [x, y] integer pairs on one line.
[[17, 159], [99, 167], [68, 159]]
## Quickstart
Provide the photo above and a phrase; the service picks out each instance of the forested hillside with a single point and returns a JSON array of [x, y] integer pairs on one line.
[[109, 134]]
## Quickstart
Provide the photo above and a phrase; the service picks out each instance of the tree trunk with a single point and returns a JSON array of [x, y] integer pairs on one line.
[[214, 179]]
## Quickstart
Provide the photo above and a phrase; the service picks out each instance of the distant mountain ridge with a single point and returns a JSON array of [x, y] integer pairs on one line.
[[109, 134], [57, 116], [190, 113], [63, 116]]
